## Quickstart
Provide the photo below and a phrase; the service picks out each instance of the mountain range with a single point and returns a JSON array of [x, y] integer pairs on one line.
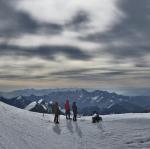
[[88, 101]]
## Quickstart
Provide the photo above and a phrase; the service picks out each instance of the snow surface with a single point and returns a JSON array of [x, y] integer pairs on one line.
[[31, 105], [40, 101], [110, 106], [19, 97], [95, 98], [21, 129]]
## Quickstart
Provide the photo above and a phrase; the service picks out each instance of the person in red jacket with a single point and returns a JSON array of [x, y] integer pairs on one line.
[[67, 108]]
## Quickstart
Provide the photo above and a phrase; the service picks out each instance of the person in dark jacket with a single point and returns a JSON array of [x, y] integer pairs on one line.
[[56, 112], [67, 109], [74, 109]]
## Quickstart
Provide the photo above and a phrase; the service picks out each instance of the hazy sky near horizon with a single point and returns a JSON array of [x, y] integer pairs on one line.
[[59, 43]]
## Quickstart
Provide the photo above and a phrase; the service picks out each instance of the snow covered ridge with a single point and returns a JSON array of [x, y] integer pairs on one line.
[[127, 116], [21, 129], [31, 105]]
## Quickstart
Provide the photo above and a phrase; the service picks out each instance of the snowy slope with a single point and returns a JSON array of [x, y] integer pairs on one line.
[[21, 129], [31, 105]]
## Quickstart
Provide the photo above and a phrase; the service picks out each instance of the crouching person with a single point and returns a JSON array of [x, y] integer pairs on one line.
[[96, 118], [56, 112]]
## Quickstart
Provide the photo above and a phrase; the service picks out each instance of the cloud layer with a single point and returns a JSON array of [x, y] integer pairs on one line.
[[55, 43]]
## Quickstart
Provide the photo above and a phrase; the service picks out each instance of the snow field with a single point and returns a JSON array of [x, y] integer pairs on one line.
[[21, 129]]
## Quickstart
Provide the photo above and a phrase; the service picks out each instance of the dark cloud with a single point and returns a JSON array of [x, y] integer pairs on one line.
[[128, 52], [86, 71], [71, 72], [30, 68], [142, 65], [102, 74], [21, 77], [135, 23], [78, 21], [45, 52], [131, 33], [12, 72], [90, 77], [15, 23], [87, 74]]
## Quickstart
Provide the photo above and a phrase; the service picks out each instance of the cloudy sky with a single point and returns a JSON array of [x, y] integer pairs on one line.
[[101, 44]]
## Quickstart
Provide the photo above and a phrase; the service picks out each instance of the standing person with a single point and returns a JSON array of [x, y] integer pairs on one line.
[[56, 112], [75, 110], [67, 108]]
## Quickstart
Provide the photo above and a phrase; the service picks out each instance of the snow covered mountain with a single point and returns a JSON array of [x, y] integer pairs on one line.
[[37, 106], [21, 129], [88, 101]]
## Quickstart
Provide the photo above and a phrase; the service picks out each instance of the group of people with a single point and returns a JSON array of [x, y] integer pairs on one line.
[[56, 111]]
